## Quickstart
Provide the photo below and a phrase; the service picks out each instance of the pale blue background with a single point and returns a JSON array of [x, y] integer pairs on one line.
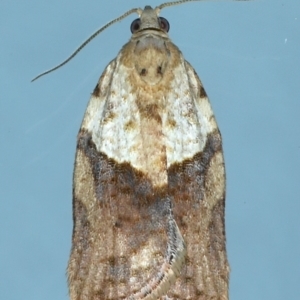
[[247, 55]]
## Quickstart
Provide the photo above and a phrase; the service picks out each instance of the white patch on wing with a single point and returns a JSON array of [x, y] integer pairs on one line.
[[188, 136], [186, 120], [110, 136]]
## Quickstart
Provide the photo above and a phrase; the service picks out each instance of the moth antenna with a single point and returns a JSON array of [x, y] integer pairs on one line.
[[134, 10], [183, 1]]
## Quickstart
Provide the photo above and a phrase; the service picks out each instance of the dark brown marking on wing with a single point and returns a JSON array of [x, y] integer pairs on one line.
[[149, 111], [202, 92], [197, 187], [192, 172], [130, 125], [96, 91], [133, 213]]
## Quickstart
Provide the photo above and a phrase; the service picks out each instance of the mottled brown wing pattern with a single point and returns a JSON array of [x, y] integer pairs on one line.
[[149, 181]]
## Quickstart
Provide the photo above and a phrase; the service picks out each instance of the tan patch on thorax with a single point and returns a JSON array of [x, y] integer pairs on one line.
[[151, 59]]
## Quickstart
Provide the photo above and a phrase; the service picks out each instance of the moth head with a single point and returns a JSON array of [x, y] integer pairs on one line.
[[163, 25], [149, 19]]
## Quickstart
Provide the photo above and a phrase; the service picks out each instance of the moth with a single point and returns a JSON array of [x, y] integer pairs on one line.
[[149, 178]]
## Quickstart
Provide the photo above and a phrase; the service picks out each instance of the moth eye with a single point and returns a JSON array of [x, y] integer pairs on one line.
[[164, 24], [135, 25]]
